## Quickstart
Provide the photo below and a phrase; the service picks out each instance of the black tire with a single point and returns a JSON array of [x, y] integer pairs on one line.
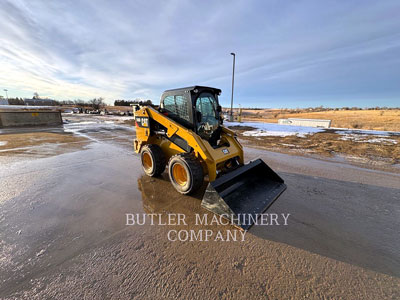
[[190, 168], [153, 160]]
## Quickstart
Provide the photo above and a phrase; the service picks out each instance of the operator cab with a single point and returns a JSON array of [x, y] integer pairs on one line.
[[196, 108]]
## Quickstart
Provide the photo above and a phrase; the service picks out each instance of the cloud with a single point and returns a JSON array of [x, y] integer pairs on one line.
[[298, 52]]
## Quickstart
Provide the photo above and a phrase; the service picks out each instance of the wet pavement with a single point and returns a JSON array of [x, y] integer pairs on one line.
[[63, 231]]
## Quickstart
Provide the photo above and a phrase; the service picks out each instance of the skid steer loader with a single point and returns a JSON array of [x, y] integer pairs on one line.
[[185, 133]]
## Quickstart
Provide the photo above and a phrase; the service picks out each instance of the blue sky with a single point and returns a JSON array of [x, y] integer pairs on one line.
[[289, 53]]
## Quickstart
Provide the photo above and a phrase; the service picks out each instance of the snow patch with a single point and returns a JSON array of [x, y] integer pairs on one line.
[[366, 138], [87, 122], [268, 133], [382, 140], [367, 132], [352, 137], [273, 129]]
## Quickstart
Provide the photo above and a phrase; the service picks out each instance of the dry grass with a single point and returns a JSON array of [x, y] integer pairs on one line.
[[388, 120]]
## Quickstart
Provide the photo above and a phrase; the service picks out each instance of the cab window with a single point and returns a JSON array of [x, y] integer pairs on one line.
[[177, 105], [207, 105]]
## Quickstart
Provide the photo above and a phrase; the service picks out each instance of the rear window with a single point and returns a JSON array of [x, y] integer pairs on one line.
[[177, 105]]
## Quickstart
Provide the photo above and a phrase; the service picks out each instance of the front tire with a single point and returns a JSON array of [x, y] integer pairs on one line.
[[153, 160], [185, 173]]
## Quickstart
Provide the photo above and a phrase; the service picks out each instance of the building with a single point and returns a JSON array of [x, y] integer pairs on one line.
[[305, 122], [40, 102], [3, 101]]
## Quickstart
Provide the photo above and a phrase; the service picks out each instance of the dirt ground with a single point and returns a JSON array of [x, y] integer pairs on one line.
[[33, 144], [329, 144], [387, 120], [63, 233]]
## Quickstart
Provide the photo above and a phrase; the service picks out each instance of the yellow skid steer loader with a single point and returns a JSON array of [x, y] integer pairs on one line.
[[185, 133]]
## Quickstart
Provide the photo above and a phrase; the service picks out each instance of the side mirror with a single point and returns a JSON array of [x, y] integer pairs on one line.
[[219, 108], [198, 116]]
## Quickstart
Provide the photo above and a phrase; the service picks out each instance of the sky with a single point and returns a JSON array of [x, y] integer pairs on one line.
[[288, 53]]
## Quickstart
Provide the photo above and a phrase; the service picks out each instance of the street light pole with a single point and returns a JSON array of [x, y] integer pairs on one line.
[[233, 81]]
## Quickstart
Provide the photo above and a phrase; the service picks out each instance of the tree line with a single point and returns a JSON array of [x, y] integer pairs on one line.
[[131, 102], [95, 103]]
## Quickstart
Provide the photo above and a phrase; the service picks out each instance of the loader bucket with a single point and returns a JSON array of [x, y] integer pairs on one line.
[[243, 194]]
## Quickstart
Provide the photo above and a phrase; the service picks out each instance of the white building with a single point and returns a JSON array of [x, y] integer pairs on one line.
[[40, 102], [3, 101], [305, 122]]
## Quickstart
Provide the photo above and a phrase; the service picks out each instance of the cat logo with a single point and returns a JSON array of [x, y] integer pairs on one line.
[[142, 121]]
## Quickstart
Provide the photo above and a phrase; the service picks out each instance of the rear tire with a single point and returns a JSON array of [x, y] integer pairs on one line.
[[153, 160], [185, 173]]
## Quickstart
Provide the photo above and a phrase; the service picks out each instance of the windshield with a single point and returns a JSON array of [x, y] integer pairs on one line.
[[206, 104]]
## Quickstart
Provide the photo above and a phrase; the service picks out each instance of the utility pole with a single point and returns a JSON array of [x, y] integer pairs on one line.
[[233, 81]]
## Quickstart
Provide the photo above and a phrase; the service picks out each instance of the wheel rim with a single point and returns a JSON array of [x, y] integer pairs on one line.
[[147, 161], [179, 173]]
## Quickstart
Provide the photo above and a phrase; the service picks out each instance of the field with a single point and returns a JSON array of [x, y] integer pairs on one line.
[[388, 120], [379, 148]]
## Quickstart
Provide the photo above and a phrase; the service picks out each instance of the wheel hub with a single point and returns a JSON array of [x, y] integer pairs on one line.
[[179, 173], [147, 161]]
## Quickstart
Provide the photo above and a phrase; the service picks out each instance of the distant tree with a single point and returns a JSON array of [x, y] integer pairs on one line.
[[97, 103], [35, 95], [79, 103], [122, 103], [130, 102]]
